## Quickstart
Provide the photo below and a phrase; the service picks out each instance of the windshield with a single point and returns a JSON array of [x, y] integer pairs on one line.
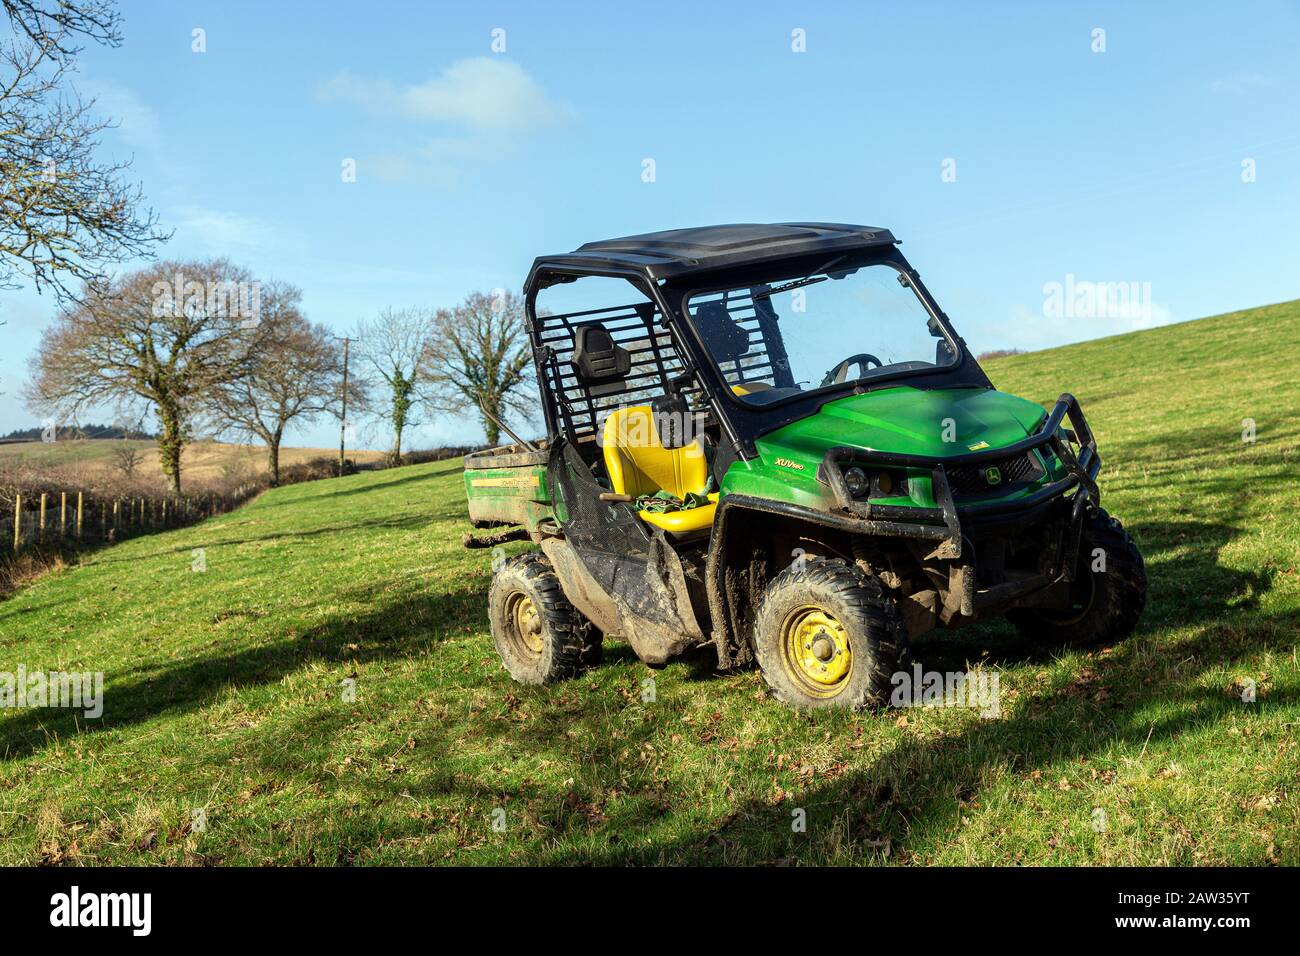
[[830, 327]]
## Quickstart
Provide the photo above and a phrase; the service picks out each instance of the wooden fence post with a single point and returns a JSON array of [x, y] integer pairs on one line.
[[18, 522], [63, 515], [78, 515], [117, 509], [44, 498]]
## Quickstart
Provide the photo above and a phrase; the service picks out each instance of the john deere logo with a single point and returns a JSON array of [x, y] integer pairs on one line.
[[993, 476]]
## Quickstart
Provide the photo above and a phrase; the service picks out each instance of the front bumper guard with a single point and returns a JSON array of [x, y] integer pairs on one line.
[[943, 524]]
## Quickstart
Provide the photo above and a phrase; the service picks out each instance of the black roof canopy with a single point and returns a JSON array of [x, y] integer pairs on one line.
[[676, 252]]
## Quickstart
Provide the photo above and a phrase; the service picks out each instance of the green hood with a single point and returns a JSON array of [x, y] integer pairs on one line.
[[908, 420]]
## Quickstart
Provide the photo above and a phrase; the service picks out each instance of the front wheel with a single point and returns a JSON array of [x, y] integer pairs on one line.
[[541, 637], [828, 635], [1107, 596]]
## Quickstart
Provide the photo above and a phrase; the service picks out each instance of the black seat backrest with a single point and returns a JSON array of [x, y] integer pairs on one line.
[[726, 338], [597, 357]]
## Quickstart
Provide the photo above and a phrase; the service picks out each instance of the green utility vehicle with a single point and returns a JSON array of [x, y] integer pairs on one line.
[[769, 440]]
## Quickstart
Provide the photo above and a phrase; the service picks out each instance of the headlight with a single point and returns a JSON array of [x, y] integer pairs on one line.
[[856, 479]]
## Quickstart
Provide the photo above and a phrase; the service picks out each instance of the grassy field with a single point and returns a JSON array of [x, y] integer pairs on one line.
[[201, 461], [326, 691]]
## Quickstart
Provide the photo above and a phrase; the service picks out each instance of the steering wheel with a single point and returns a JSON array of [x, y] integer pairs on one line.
[[840, 372]]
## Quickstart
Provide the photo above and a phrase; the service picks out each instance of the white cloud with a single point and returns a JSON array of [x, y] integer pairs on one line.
[[482, 93], [437, 162], [1029, 328], [485, 106], [219, 232], [136, 121], [206, 230], [1242, 83]]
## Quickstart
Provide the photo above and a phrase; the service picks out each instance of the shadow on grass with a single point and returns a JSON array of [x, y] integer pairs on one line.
[[909, 797], [393, 626], [916, 793], [920, 787], [912, 796]]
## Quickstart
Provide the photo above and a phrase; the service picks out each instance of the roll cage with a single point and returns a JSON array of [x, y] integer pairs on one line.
[[666, 353]]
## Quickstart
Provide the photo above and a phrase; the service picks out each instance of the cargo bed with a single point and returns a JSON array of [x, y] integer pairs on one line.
[[508, 485]]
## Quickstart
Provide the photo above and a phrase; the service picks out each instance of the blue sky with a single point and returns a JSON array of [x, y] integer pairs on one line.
[[1119, 166]]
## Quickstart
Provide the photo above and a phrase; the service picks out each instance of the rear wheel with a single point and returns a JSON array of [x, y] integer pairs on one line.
[[828, 635], [1108, 595], [541, 637]]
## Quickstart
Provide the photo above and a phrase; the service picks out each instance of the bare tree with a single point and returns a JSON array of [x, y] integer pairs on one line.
[[163, 337], [65, 214], [389, 350], [54, 24], [126, 459], [297, 373], [478, 357]]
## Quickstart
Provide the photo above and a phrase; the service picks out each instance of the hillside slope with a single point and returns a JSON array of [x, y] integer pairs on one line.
[[326, 691], [201, 461]]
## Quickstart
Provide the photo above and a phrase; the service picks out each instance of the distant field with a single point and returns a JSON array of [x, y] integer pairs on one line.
[[326, 691], [202, 461]]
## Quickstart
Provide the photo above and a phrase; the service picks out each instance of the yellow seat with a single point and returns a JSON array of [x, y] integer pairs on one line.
[[638, 464], [749, 388]]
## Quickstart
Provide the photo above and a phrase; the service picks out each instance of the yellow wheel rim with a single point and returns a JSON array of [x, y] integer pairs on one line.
[[815, 651], [527, 623]]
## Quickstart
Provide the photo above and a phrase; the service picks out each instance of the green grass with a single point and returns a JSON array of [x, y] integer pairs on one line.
[[224, 689]]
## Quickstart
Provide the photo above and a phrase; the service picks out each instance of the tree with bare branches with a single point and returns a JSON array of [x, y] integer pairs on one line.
[[477, 359], [65, 214], [55, 25], [389, 350], [126, 459], [296, 374], [165, 337]]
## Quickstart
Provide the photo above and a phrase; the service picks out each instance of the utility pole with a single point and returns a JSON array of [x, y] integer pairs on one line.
[[343, 420]]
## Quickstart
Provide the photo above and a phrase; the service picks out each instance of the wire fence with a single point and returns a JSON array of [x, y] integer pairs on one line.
[[40, 523], [74, 518]]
